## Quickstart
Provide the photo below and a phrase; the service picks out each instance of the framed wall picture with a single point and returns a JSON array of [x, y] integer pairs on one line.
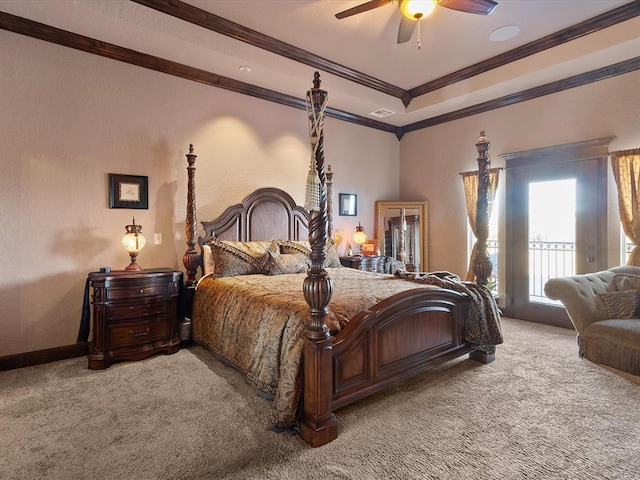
[[370, 247], [348, 204], [128, 191]]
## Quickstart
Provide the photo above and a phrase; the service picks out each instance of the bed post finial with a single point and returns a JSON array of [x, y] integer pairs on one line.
[[191, 259], [318, 424], [482, 266]]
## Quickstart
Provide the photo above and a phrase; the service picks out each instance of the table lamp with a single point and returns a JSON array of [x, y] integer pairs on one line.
[[360, 236], [133, 242]]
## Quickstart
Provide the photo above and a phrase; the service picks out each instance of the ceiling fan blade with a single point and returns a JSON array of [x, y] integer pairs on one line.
[[365, 7], [480, 7], [406, 29]]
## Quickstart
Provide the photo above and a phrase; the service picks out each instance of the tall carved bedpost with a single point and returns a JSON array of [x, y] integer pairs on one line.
[[318, 424], [329, 176], [482, 266], [402, 254], [191, 259]]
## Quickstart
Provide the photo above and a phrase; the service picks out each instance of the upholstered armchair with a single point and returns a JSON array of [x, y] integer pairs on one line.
[[604, 309]]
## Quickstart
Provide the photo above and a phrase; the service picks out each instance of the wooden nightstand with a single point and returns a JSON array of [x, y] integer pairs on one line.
[[135, 315], [369, 263]]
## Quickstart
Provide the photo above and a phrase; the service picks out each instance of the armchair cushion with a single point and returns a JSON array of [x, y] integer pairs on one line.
[[626, 281]]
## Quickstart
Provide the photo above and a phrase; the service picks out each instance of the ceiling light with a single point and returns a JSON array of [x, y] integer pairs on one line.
[[244, 69], [504, 33], [416, 9]]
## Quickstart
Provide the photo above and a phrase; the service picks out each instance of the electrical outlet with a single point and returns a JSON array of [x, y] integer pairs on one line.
[[157, 239]]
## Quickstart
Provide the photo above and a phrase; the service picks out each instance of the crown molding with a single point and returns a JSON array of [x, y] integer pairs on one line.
[[58, 36], [202, 18]]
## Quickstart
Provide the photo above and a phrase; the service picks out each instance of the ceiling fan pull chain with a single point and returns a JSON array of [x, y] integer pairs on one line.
[[418, 34]]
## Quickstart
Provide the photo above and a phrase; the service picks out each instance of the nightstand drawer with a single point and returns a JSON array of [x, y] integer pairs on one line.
[[137, 310], [137, 290], [134, 333]]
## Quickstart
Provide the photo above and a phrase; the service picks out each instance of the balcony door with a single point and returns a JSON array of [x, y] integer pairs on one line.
[[556, 214]]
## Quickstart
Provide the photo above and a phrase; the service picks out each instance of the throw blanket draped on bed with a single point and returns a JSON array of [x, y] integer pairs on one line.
[[482, 326], [257, 323]]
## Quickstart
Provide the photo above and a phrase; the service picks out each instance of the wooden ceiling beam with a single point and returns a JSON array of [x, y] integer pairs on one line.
[[603, 73], [58, 36], [214, 23]]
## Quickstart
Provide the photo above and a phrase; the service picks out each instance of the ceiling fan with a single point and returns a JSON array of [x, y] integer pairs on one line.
[[414, 10]]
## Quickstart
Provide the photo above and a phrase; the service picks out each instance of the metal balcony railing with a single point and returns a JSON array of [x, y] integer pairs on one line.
[[628, 246], [548, 260], [492, 251]]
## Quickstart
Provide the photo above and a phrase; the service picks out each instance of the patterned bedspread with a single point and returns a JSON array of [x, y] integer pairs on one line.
[[256, 323]]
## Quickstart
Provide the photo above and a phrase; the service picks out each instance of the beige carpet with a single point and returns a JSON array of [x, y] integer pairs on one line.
[[537, 412]]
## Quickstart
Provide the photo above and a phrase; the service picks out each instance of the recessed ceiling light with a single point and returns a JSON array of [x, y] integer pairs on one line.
[[244, 69], [504, 33]]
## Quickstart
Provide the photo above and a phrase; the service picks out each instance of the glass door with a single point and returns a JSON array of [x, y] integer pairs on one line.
[[552, 234], [552, 230]]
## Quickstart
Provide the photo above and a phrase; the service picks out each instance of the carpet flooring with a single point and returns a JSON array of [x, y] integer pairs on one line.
[[537, 412]]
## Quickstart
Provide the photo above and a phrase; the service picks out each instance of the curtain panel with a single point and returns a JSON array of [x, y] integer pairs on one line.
[[626, 172], [470, 180]]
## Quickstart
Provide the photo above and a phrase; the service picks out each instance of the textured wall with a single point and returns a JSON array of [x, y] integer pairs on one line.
[[69, 118]]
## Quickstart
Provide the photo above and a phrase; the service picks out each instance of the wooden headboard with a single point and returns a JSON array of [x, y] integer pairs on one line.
[[265, 214]]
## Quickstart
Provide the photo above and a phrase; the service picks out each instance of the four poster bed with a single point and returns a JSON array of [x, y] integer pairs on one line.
[[275, 303]]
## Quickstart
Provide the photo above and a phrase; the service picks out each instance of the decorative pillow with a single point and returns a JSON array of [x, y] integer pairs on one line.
[[332, 259], [626, 281], [207, 260], [280, 263], [620, 305], [239, 258], [297, 246]]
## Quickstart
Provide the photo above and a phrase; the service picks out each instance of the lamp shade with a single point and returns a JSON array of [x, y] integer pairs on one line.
[[360, 236], [416, 9], [134, 241]]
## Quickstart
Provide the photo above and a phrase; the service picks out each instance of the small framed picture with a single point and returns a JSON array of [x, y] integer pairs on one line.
[[370, 247], [348, 204], [128, 191]]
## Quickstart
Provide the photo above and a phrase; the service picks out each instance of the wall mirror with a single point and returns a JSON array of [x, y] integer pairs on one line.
[[388, 231]]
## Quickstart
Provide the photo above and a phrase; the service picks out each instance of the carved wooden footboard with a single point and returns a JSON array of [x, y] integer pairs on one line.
[[400, 337]]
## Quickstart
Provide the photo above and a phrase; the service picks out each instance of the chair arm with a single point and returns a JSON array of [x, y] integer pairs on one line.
[[579, 296]]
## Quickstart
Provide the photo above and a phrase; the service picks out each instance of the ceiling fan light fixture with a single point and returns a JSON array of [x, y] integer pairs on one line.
[[416, 9]]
